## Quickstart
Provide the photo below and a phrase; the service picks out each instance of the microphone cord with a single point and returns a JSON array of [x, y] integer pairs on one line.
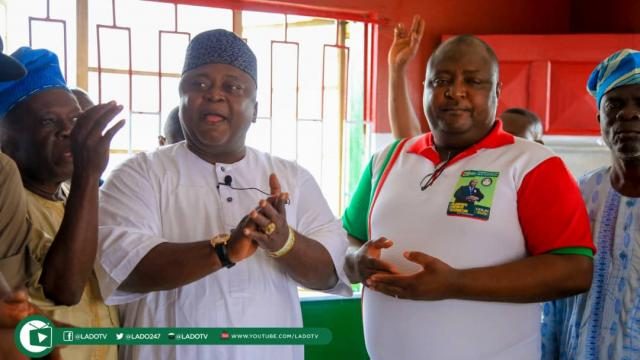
[[228, 180]]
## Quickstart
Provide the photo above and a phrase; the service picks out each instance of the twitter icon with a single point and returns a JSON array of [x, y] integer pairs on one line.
[[119, 336]]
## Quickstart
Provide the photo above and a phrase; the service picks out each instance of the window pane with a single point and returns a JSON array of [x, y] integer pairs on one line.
[[332, 121], [259, 135], [114, 48], [145, 129], [114, 87], [144, 34], [355, 155], [284, 100], [260, 29], [356, 130], [302, 77], [50, 35], [99, 13], [196, 19], [3, 22], [145, 94], [312, 34], [174, 46], [310, 141]]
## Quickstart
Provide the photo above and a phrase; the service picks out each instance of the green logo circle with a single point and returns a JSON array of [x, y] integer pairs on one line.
[[34, 336]]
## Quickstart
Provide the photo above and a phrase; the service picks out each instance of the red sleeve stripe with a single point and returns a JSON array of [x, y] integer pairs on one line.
[[551, 210]]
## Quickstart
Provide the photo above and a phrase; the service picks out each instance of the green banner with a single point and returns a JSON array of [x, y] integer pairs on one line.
[[191, 336], [36, 335]]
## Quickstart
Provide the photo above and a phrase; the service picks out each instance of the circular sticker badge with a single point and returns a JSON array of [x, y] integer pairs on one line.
[[34, 336]]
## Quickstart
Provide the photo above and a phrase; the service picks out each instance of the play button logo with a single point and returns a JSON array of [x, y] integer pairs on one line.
[[42, 338], [34, 336]]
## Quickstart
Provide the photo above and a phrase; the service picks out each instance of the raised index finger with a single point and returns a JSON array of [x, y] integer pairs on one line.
[[274, 184], [86, 121]]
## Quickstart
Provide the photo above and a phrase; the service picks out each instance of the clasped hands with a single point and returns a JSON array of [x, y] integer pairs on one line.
[[264, 227], [435, 281]]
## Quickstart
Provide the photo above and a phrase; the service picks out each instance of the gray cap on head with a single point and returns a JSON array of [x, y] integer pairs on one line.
[[220, 47]]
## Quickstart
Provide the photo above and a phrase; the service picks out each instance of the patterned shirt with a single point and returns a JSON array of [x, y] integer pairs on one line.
[[603, 323]]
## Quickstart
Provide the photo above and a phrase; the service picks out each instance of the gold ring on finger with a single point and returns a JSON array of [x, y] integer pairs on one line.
[[270, 228]]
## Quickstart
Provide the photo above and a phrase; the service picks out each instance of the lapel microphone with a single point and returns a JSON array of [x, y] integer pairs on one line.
[[228, 180]]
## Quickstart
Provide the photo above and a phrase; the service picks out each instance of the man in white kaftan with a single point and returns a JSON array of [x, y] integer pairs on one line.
[[157, 205]]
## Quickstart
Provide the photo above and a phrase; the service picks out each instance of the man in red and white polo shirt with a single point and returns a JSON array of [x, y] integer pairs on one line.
[[448, 279]]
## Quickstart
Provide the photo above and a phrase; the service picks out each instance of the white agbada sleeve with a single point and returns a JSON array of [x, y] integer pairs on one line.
[[130, 226], [316, 221]]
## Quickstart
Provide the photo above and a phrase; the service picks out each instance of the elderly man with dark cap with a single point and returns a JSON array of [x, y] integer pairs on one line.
[[51, 140], [604, 323], [182, 243]]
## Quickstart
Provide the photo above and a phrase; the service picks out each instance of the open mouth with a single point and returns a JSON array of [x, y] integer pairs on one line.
[[63, 151], [213, 118]]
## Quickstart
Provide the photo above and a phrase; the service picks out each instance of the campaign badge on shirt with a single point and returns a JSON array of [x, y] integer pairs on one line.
[[473, 194]]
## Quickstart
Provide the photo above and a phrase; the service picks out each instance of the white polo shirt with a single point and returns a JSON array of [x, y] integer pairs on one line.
[[530, 205]]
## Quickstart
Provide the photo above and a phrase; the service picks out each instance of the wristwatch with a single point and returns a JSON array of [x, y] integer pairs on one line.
[[219, 244]]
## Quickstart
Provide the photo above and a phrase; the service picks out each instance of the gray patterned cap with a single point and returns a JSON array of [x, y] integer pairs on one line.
[[220, 47]]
